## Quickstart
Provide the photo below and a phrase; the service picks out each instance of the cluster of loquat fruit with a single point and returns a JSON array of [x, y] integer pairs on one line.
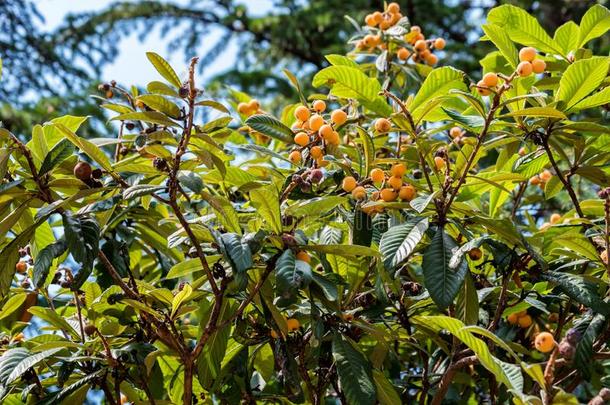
[[541, 178], [529, 63], [250, 108], [412, 45], [381, 185], [315, 134]]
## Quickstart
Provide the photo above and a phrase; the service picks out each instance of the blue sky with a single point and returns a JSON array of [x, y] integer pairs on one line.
[[132, 51]]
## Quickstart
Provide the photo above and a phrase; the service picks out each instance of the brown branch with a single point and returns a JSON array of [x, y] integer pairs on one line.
[[566, 183], [448, 377]]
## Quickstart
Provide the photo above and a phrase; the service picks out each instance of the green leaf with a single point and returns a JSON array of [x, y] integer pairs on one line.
[[209, 363], [523, 28], [82, 235], [583, 355], [87, 147], [225, 213], [182, 296], [566, 36], [593, 24], [140, 190], [442, 281], [343, 250], [12, 305], [580, 79], [161, 104], [399, 241], [580, 289], [44, 260], [351, 83], [28, 362], [502, 41], [153, 117], [363, 228], [467, 307], [368, 149], [354, 373], [316, 206], [437, 84], [58, 154], [9, 256], [54, 319], [213, 104], [290, 276], [548, 112], [386, 393], [9, 360], [267, 203], [157, 87], [595, 100], [237, 252], [164, 69], [58, 397], [270, 126], [478, 346]]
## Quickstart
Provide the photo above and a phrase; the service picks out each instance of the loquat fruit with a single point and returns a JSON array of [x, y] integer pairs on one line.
[[295, 156], [338, 117], [242, 108], [254, 105], [545, 342], [535, 180], [82, 171], [525, 321], [490, 79], [538, 66], [527, 54], [377, 17], [513, 318], [325, 131], [303, 256], [415, 28], [393, 8], [407, 193], [546, 175], [302, 113], [293, 324], [388, 195], [274, 334], [377, 175], [524, 69], [555, 218], [439, 163], [454, 132], [604, 256], [333, 138], [395, 182], [403, 54], [420, 45], [359, 193], [383, 125], [315, 122], [319, 106], [482, 89], [370, 20], [348, 184], [301, 139], [431, 59], [398, 170], [21, 267], [439, 43], [316, 152]]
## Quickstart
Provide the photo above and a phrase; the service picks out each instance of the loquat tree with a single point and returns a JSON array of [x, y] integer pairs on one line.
[[407, 234]]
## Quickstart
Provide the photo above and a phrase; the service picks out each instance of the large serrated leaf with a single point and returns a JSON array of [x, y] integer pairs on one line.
[[354, 372], [290, 276], [580, 289], [160, 104], [522, 28], [270, 126], [351, 82], [164, 68], [44, 260], [28, 362], [266, 201], [442, 281], [58, 154], [399, 241], [437, 84], [589, 331], [502, 41], [82, 235], [580, 79], [595, 23], [237, 252]]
